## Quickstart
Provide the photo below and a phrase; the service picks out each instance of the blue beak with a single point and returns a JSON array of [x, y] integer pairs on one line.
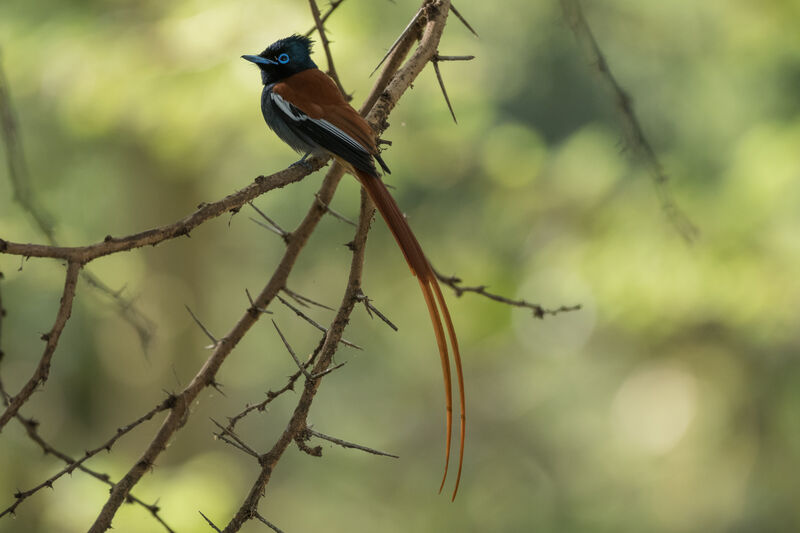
[[258, 60]]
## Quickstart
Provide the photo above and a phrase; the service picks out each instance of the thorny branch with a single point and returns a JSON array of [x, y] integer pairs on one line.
[[387, 91], [398, 73], [31, 428], [634, 133], [42, 371], [181, 228], [455, 283], [345, 444], [297, 423], [314, 323]]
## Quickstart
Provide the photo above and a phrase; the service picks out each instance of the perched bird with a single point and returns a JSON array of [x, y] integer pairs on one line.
[[305, 108]]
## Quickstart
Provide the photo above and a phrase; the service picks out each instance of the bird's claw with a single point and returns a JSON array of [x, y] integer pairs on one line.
[[302, 162]]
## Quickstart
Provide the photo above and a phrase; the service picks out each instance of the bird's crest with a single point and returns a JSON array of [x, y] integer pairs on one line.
[[297, 46]]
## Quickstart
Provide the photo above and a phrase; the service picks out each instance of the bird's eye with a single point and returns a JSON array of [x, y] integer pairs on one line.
[[283, 59]]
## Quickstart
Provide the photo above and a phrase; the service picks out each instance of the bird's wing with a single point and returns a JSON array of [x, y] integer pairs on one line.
[[312, 105]]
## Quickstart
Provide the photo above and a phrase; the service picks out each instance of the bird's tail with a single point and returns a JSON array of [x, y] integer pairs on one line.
[[440, 315]]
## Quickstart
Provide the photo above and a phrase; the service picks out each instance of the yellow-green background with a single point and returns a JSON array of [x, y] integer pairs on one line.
[[668, 403]]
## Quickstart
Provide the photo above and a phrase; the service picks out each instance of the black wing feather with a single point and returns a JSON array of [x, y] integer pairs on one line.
[[325, 135]]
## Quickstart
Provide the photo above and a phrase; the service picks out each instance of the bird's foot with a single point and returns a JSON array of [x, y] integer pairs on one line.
[[302, 162]]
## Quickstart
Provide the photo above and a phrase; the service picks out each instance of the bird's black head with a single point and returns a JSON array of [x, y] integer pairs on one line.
[[283, 58]]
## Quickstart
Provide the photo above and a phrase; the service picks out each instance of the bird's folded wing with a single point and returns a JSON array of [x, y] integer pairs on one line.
[[327, 120]]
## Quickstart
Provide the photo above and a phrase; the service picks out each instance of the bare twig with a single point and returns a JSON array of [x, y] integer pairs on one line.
[[326, 45], [345, 444], [410, 30], [454, 58], [214, 340], [441, 85], [460, 17], [261, 518], [314, 323], [634, 134], [305, 301], [42, 371], [328, 370], [291, 352], [152, 237], [454, 283], [234, 439], [31, 427], [261, 406], [335, 214], [210, 523], [253, 305], [140, 322], [73, 465], [372, 309], [271, 224]]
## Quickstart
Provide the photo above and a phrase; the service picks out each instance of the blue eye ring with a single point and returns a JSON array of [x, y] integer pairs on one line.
[[283, 59]]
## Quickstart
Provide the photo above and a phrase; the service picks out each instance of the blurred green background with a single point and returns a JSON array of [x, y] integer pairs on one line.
[[668, 403]]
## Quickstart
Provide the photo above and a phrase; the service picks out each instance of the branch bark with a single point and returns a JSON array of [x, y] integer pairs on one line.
[[42, 371]]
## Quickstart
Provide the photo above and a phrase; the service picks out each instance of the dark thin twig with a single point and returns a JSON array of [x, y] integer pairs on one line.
[[253, 305], [435, 62], [210, 523], [181, 228], [42, 371], [372, 309], [267, 522], [409, 27], [237, 442], [328, 370], [305, 301], [272, 226], [262, 405], [454, 58], [214, 340], [271, 395], [333, 5], [291, 352], [326, 45], [31, 427], [454, 283], [72, 466], [460, 17], [334, 213], [315, 323], [345, 444], [632, 128]]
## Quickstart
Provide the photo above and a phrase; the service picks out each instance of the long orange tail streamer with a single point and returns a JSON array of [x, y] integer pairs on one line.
[[434, 299]]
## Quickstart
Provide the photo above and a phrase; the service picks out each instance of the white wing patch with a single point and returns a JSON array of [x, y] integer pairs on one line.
[[298, 116]]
